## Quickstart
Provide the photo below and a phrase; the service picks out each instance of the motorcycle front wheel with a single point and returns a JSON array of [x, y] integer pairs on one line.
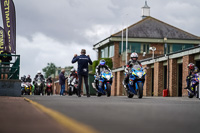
[[108, 90], [140, 90]]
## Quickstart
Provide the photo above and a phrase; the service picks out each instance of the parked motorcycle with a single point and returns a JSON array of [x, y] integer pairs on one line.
[[49, 88], [194, 84], [72, 86], [104, 84], [136, 81], [39, 85]]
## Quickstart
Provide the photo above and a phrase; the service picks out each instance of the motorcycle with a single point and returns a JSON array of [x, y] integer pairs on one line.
[[104, 84], [48, 88], [72, 86], [22, 88], [38, 86], [194, 87], [28, 88], [136, 81]]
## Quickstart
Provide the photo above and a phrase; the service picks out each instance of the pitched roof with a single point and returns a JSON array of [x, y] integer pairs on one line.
[[150, 27]]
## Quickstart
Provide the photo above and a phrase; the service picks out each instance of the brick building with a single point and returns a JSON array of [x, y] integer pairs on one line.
[[174, 50]]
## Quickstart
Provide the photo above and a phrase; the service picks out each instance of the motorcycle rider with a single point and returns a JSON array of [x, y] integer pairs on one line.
[[73, 73], [49, 80], [23, 79], [39, 74], [133, 61], [28, 79], [101, 67], [193, 70]]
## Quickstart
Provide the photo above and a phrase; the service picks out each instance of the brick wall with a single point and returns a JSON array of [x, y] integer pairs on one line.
[[147, 83], [120, 87], [158, 78], [173, 77], [159, 48], [116, 58], [186, 60], [114, 85]]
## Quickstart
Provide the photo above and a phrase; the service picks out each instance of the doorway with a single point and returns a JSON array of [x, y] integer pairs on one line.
[[180, 74], [152, 82]]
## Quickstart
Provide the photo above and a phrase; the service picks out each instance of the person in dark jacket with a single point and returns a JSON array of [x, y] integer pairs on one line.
[[5, 63], [83, 61], [62, 81]]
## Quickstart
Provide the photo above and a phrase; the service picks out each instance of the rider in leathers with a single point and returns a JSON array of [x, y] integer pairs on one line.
[[101, 67], [133, 61]]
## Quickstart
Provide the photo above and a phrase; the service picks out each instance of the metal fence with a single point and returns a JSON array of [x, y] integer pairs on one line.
[[14, 66]]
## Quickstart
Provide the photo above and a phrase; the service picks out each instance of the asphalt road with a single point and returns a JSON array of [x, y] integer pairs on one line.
[[124, 115]]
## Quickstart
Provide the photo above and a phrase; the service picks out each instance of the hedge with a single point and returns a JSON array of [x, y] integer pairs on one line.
[[96, 62]]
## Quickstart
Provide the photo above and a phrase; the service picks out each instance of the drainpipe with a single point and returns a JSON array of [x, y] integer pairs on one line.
[[168, 73]]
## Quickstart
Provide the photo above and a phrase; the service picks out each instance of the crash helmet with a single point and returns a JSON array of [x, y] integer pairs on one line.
[[72, 70], [134, 55], [29, 76], [190, 66], [38, 72], [49, 77], [102, 62], [24, 76]]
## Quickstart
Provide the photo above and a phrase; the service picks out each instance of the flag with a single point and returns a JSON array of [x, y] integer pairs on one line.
[[9, 23], [2, 40]]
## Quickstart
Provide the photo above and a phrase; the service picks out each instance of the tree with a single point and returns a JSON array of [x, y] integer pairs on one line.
[[49, 70]]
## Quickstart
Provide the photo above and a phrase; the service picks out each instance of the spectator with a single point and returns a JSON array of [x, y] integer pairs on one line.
[[62, 81], [5, 63], [83, 61]]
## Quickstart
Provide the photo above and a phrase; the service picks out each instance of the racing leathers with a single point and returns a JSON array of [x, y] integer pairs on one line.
[[129, 65], [99, 69]]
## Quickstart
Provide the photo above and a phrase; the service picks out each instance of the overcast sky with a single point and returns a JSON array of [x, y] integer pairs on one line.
[[55, 30]]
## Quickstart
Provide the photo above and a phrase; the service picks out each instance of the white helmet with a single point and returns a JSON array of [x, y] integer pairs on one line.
[[73, 70], [134, 55], [38, 72]]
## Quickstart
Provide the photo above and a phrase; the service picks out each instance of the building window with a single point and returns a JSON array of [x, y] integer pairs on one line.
[[102, 53], [145, 48], [111, 51]]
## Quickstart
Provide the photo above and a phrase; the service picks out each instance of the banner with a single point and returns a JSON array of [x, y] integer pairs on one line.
[[9, 23], [2, 40]]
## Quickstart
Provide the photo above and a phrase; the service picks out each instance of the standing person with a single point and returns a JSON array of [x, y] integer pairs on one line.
[[62, 81], [83, 61], [5, 63]]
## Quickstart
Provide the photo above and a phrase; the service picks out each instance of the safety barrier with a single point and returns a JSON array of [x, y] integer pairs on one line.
[[14, 66]]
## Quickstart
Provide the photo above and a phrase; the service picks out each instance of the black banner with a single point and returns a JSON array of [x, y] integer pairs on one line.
[[9, 22], [2, 40]]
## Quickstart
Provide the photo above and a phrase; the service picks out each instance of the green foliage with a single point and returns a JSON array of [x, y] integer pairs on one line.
[[49, 69], [96, 62]]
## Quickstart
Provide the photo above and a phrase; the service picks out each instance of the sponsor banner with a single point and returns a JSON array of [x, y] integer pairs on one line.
[[9, 22]]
